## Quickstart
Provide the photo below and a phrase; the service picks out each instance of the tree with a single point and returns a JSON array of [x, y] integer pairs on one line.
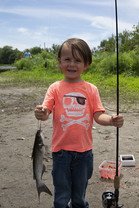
[[128, 40], [35, 50], [135, 36], [125, 38], [107, 45], [110, 45], [8, 55], [103, 43], [55, 48]]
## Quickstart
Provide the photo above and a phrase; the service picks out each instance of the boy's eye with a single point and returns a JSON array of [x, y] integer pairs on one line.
[[70, 60], [67, 59], [78, 60]]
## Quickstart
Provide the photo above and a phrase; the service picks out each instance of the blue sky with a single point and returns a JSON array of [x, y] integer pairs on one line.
[[30, 23]]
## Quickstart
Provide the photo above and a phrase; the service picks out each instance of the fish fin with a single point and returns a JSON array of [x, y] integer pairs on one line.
[[46, 148], [43, 188], [45, 158]]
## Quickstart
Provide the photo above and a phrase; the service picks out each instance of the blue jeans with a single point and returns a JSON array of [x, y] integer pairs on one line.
[[71, 171]]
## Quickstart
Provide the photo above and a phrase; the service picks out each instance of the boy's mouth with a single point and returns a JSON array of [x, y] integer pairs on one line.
[[71, 70]]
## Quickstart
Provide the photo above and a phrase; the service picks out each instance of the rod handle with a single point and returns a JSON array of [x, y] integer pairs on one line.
[[116, 182]]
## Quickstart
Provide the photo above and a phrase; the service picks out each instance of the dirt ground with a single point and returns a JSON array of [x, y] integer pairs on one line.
[[17, 132]]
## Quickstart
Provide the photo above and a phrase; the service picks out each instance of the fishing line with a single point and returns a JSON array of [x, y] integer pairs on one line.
[[39, 124]]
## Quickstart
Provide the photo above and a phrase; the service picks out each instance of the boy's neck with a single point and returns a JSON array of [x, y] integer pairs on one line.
[[72, 80]]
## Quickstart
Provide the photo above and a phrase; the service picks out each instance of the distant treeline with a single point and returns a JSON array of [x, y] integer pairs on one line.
[[104, 57], [128, 40], [9, 56]]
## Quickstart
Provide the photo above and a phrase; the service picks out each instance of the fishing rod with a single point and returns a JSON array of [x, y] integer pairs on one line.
[[110, 199]]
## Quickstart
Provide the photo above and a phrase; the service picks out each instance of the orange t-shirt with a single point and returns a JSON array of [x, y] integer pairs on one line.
[[73, 106]]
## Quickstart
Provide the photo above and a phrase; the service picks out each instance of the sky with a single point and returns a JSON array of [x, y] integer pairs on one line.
[[42, 23]]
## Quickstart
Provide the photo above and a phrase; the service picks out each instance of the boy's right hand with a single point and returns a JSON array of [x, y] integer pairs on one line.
[[41, 112]]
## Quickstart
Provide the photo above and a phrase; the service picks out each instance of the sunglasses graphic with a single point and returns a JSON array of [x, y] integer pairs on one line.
[[80, 100]]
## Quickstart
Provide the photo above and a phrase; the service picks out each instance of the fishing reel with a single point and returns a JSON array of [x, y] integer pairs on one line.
[[109, 200]]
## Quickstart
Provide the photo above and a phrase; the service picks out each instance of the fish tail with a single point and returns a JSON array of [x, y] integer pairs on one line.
[[41, 187]]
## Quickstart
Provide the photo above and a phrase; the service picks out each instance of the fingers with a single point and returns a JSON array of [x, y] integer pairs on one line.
[[117, 120], [40, 112]]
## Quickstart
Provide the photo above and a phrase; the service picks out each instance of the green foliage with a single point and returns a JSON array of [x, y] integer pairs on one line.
[[35, 50], [8, 55], [55, 48], [106, 63], [45, 54], [128, 40], [135, 61], [104, 58], [24, 63], [38, 62], [110, 44]]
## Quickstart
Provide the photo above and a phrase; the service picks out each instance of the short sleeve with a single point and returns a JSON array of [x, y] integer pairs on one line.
[[49, 99], [97, 101]]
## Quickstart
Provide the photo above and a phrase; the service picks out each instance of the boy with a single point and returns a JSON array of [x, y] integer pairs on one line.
[[75, 103]]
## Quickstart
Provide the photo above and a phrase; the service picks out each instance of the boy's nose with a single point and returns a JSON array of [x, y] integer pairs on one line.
[[72, 62]]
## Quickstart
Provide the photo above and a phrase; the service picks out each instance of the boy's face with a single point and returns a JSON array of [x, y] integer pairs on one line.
[[72, 67]]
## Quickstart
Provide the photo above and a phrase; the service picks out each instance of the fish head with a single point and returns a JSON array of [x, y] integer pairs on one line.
[[40, 138]]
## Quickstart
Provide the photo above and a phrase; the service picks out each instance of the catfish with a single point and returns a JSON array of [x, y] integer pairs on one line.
[[38, 166]]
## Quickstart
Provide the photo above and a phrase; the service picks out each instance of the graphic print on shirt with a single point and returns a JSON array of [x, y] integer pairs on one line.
[[74, 104]]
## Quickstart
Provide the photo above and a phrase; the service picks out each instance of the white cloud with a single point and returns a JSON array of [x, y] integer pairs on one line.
[[22, 30], [96, 3], [102, 22], [109, 3], [125, 26], [93, 40], [129, 3], [85, 36], [27, 11], [108, 24], [43, 13]]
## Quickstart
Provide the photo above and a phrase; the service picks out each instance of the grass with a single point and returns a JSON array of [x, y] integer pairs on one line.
[[128, 87], [107, 85]]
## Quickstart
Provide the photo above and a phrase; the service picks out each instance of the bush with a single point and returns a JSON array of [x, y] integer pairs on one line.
[[135, 61], [103, 63], [106, 63], [24, 63], [38, 62]]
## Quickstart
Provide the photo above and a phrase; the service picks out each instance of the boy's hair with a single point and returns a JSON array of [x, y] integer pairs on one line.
[[81, 46]]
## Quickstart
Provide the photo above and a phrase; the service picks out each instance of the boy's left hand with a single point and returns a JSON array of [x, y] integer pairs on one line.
[[117, 120]]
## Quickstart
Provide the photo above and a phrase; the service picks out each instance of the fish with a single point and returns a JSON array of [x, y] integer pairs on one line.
[[38, 166]]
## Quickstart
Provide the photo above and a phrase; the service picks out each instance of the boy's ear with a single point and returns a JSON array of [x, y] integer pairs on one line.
[[59, 61], [86, 66]]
